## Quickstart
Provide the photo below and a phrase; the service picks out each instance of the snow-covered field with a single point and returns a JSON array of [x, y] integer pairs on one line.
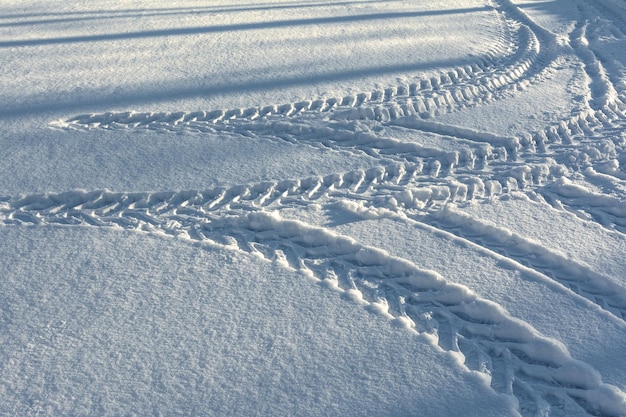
[[313, 208]]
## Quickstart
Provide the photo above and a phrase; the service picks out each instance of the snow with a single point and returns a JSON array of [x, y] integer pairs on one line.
[[313, 208], [172, 328]]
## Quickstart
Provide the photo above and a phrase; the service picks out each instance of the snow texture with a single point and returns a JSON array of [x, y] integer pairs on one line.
[[313, 208]]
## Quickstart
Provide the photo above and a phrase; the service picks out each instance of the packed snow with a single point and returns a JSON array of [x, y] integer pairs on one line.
[[313, 208]]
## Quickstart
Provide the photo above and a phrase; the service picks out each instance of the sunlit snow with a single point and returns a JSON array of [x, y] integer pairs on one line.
[[313, 208]]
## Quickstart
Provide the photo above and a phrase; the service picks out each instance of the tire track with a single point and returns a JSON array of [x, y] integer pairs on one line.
[[398, 189], [602, 91], [408, 106], [533, 45], [607, 210], [535, 48], [516, 360], [427, 189], [394, 186], [416, 182], [513, 357], [593, 142], [590, 144], [482, 81], [215, 217], [603, 30], [597, 288]]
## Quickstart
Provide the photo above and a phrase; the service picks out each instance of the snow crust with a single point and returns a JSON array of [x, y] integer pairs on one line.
[[313, 208]]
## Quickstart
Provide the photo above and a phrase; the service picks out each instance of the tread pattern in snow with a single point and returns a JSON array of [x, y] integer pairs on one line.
[[416, 183]]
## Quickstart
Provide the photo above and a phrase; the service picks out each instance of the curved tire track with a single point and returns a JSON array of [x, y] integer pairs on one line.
[[402, 189], [482, 81], [538, 372], [483, 155], [514, 358], [582, 280], [417, 182]]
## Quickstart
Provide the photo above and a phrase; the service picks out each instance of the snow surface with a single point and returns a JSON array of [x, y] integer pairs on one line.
[[312, 208]]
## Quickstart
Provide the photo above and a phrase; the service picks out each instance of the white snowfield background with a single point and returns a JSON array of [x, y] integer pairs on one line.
[[313, 208]]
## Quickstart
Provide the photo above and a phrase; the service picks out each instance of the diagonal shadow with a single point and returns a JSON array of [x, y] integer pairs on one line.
[[213, 9], [150, 95], [236, 27], [133, 13]]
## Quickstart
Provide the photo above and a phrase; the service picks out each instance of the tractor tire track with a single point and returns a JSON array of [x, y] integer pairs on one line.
[[580, 279], [482, 81], [339, 132], [417, 182], [607, 210], [403, 189], [400, 186], [514, 358]]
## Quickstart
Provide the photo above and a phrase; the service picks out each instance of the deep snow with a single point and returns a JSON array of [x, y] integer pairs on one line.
[[313, 208]]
